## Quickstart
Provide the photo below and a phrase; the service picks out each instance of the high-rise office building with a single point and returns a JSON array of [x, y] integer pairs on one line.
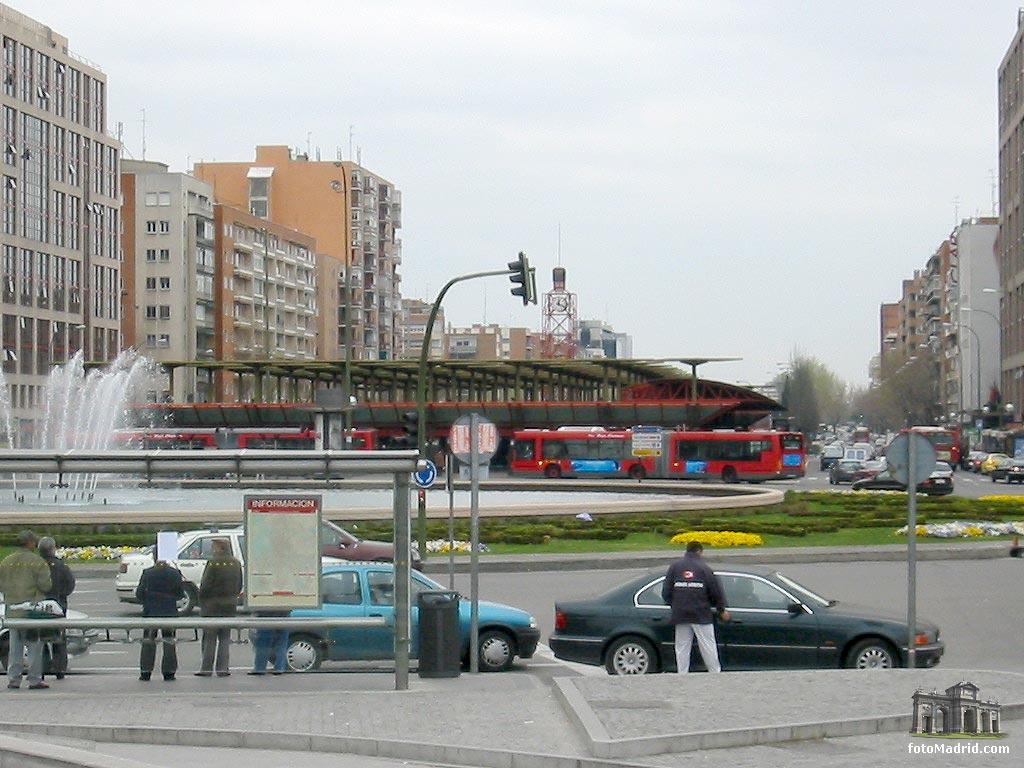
[[61, 280]]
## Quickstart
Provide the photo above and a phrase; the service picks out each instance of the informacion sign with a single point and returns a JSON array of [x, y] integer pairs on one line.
[[486, 439], [647, 441], [282, 551]]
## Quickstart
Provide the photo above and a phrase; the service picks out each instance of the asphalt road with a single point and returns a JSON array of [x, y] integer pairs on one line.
[[967, 484], [973, 602]]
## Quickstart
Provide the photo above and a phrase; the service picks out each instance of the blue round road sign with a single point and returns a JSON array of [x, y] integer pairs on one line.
[[426, 477]]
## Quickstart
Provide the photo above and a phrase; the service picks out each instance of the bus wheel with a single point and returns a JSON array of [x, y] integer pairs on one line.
[[637, 472], [729, 475], [552, 470]]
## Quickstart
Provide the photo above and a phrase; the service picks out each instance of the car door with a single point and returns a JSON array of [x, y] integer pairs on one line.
[[381, 602], [763, 633], [342, 596], [193, 557], [655, 620]]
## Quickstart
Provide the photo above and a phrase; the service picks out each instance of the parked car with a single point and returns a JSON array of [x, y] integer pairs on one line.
[[78, 642], [775, 623], [972, 461], [938, 483], [830, 454], [844, 471], [362, 589], [1012, 471], [196, 547], [991, 462]]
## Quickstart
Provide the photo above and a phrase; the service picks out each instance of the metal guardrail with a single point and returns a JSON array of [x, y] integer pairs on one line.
[[202, 622]]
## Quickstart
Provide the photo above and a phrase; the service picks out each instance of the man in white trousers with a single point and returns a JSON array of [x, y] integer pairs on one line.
[[692, 589]]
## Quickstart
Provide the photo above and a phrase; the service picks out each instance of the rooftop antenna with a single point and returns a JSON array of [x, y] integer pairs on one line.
[[309, 135], [351, 133], [956, 210], [995, 187], [559, 243], [359, 156]]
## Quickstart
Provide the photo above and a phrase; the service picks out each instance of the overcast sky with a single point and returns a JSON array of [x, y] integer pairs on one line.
[[730, 179]]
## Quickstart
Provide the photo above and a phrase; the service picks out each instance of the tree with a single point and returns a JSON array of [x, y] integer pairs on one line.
[[811, 393]]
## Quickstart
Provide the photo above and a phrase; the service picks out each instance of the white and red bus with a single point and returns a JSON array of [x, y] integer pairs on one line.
[[945, 441], [729, 455]]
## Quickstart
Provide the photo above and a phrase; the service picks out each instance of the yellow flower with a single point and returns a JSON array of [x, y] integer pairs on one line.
[[719, 538]]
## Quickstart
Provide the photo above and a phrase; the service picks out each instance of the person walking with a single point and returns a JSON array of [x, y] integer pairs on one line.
[[270, 642], [692, 589], [160, 588], [218, 596], [24, 578], [62, 584]]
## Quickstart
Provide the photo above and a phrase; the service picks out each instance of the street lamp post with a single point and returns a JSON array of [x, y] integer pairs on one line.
[[977, 352]]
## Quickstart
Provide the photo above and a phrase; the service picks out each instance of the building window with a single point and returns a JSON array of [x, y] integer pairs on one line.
[[150, 312], [151, 254], [165, 283], [151, 227], [150, 283], [165, 227], [165, 254], [165, 312]]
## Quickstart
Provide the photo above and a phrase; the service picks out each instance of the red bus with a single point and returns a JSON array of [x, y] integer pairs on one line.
[[575, 452], [945, 441], [232, 438], [731, 455]]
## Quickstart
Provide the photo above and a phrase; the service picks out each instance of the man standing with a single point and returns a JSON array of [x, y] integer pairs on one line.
[[692, 589], [24, 578], [159, 590], [218, 596], [62, 584]]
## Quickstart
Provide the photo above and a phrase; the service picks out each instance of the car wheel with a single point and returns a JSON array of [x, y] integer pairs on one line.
[[188, 604], [552, 470], [729, 475], [496, 650], [637, 472], [873, 653], [630, 656], [305, 653]]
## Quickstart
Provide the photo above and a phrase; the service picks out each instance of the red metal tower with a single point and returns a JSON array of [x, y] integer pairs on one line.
[[560, 331]]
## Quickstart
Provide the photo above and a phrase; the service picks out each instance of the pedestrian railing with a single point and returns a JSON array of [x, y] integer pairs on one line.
[[242, 622]]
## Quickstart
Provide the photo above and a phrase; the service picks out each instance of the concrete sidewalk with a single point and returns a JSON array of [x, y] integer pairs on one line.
[[511, 720]]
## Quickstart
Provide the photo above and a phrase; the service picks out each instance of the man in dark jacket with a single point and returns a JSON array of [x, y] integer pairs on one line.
[[159, 590], [62, 584], [692, 589], [218, 596]]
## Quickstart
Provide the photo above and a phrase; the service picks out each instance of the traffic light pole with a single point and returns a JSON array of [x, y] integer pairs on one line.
[[421, 396]]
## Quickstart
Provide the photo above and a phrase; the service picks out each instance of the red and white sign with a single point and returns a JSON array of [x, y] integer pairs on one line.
[[486, 438]]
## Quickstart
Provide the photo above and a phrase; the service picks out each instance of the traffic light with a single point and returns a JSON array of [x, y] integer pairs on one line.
[[523, 278], [411, 427]]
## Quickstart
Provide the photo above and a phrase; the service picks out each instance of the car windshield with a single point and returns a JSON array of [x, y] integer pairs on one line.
[[803, 592]]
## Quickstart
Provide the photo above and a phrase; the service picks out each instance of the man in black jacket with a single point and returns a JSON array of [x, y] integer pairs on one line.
[[62, 584], [692, 589], [159, 590], [218, 596]]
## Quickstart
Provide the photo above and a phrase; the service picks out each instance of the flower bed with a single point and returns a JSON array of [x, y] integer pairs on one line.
[[959, 529], [719, 538], [443, 546], [84, 554]]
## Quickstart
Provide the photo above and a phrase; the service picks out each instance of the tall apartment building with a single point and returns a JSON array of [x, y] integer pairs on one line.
[[169, 309], [973, 341], [354, 215], [265, 300], [415, 315], [210, 282], [1011, 215], [60, 291]]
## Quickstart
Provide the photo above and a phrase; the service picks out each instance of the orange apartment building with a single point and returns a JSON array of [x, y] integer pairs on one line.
[[354, 216]]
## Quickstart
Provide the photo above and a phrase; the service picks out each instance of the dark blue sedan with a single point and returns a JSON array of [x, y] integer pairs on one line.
[[775, 623]]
